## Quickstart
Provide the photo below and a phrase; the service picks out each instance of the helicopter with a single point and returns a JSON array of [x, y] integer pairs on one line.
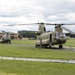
[[50, 38], [5, 37]]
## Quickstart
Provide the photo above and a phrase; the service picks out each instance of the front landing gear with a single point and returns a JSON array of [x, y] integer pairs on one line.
[[60, 46]]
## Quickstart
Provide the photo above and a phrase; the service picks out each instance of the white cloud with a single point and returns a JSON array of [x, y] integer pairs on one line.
[[31, 11]]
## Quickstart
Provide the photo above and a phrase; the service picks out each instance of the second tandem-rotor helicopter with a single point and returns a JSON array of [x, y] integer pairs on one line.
[[49, 38]]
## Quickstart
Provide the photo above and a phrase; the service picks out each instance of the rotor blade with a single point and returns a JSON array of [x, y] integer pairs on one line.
[[68, 24], [68, 30], [28, 24], [42, 23], [54, 24], [20, 24], [8, 25], [49, 24], [59, 24]]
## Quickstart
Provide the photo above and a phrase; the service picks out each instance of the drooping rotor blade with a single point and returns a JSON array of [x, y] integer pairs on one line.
[[68, 30]]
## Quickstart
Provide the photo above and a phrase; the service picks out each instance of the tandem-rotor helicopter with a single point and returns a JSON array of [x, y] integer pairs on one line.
[[49, 38], [5, 37]]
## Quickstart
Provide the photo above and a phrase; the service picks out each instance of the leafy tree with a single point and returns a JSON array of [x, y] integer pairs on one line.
[[28, 34]]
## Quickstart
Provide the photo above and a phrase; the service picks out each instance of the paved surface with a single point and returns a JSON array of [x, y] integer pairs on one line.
[[38, 60], [54, 47]]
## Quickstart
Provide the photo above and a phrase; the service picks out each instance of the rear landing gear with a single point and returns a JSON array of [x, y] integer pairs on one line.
[[36, 46], [60, 46]]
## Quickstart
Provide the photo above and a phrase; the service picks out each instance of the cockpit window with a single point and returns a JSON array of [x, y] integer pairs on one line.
[[60, 35]]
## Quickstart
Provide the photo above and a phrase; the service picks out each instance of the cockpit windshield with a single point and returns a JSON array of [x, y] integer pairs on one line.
[[60, 35]]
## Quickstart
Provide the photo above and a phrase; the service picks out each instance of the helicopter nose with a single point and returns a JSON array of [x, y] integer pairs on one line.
[[61, 40]]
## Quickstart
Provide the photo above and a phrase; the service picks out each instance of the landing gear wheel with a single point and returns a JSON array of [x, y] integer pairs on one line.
[[60, 46], [49, 46], [45, 46], [36, 46]]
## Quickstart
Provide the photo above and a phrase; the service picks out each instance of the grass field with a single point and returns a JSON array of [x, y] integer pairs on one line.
[[32, 52], [9, 67], [24, 41], [70, 42], [36, 68]]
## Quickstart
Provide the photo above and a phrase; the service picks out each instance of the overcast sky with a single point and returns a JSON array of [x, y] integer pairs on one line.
[[33, 11]]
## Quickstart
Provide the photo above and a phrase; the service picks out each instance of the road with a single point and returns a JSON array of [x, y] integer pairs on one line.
[[38, 60]]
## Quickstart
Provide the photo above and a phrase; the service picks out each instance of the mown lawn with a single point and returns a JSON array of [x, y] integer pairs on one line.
[[24, 41], [35, 68], [32, 52], [70, 42], [9, 67]]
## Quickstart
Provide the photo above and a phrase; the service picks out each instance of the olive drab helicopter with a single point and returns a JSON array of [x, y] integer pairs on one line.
[[50, 38]]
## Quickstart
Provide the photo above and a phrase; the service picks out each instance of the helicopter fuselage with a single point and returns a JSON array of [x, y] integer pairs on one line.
[[51, 38]]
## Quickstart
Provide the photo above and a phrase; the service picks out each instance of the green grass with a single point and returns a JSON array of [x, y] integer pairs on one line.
[[3, 73], [70, 42], [31, 52], [25, 41], [36, 68], [9, 67]]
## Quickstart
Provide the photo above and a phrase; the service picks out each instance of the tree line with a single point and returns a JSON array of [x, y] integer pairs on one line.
[[71, 35], [32, 34], [27, 34]]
